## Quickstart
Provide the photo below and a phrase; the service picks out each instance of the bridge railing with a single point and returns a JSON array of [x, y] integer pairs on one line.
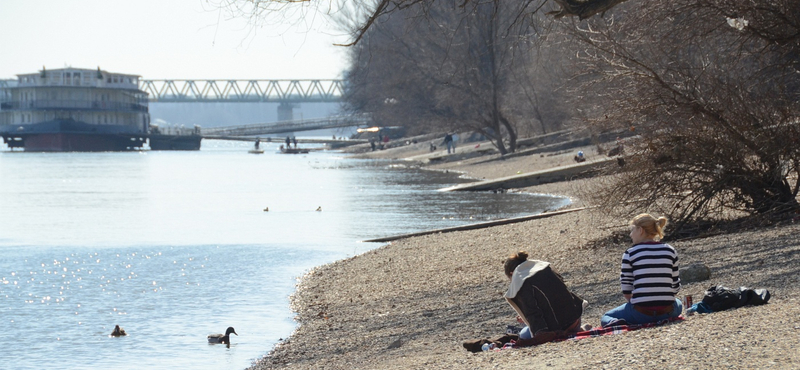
[[279, 91]]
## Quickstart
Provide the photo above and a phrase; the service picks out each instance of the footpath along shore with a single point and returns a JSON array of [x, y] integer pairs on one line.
[[411, 303]]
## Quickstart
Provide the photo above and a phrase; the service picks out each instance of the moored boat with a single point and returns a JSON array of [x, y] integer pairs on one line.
[[73, 109], [286, 150]]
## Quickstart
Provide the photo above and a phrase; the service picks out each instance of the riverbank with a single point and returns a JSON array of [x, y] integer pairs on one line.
[[410, 304]]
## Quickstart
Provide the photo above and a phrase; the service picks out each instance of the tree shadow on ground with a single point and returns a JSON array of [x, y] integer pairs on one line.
[[701, 229]]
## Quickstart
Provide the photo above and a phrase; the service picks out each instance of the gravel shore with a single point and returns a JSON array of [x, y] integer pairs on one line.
[[410, 304]]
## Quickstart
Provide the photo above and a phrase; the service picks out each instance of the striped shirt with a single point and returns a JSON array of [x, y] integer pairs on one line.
[[650, 274]]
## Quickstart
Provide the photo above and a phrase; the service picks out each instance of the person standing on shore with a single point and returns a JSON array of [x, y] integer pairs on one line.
[[448, 141], [649, 277], [541, 299]]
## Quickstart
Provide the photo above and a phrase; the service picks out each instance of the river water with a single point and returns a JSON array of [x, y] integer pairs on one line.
[[173, 246]]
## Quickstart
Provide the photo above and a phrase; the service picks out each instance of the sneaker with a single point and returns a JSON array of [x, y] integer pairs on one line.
[[513, 329]]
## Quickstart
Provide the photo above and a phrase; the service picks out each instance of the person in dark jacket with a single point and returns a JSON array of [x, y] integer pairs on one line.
[[541, 299]]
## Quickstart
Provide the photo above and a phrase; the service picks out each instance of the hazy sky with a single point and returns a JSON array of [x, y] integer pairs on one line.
[[158, 39]]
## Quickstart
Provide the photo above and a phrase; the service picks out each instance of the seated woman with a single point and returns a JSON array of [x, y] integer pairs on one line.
[[542, 300], [650, 278]]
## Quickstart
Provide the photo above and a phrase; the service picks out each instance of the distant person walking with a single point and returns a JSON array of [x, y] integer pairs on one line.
[[288, 142], [258, 142], [294, 140], [448, 141]]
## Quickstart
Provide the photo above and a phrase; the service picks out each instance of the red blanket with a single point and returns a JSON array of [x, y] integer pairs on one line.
[[600, 331], [609, 330]]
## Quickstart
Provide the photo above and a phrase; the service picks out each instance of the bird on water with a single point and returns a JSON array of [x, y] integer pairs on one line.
[[118, 332], [222, 339]]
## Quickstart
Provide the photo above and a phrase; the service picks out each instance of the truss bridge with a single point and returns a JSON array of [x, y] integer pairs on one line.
[[243, 91]]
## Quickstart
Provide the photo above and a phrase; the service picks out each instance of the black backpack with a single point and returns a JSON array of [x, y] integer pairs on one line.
[[721, 298]]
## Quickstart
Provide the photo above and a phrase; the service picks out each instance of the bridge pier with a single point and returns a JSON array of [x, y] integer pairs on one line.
[[286, 111]]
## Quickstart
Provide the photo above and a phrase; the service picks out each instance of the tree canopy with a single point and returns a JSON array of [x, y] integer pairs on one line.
[[369, 12]]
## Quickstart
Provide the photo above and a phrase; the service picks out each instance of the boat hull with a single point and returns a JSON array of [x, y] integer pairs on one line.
[[175, 142], [72, 136], [294, 151], [68, 142]]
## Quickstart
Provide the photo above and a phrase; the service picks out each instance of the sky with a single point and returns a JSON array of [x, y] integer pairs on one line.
[[166, 39]]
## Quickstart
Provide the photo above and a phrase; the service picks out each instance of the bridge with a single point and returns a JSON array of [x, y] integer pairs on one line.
[[282, 127], [243, 91], [287, 93]]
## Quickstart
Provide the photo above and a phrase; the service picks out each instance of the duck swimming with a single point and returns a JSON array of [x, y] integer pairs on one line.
[[222, 339], [118, 332]]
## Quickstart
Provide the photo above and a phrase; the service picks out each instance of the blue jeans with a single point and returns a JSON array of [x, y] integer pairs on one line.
[[525, 333], [633, 317]]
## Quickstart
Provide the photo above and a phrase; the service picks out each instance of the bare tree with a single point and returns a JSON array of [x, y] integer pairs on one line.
[[713, 101], [454, 72], [362, 15]]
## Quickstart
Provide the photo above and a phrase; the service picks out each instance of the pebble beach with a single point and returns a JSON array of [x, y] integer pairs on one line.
[[411, 303]]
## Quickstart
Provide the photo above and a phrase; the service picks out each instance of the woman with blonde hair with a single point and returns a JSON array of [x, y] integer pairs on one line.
[[649, 276]]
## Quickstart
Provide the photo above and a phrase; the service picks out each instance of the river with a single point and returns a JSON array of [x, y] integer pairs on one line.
[[173, 246]]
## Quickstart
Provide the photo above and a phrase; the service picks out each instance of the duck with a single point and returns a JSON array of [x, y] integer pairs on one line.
[[266, 209], [118, 332], [319, 209], [222, 339]]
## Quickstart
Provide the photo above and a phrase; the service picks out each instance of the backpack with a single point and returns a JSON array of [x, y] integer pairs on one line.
[[721, 298]]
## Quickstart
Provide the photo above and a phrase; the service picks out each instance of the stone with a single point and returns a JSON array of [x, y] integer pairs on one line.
[[694, 273]]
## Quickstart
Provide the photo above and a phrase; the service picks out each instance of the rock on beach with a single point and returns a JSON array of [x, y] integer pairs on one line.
[[411, 303]]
